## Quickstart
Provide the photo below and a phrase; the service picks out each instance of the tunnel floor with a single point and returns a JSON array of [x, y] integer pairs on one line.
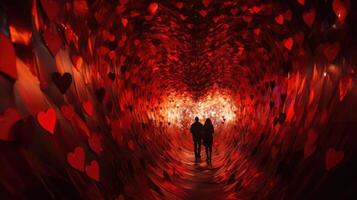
[[199, 179], [202, 180]]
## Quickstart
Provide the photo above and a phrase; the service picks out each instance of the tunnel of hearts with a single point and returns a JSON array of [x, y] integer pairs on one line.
[[123, 81]]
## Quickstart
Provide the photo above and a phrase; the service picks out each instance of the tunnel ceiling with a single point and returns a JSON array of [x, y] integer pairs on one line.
[[196, 44]]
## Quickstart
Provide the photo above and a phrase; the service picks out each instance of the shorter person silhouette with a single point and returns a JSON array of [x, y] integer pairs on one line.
[[196, 130], [208, 138]]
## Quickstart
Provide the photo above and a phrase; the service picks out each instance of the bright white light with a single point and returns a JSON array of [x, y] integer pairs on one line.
[[181, 109]]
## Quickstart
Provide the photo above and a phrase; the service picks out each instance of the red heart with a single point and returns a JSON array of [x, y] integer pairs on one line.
[[92, 170], [203, 13], [7, 120], [95, 143], [331, 51], [279, 19], [76, 159], [247, 18], [47, 120], [153, 8], [7, 57], [288, 43], [332, 158], [88, 107], [309, 17], [67, 111], [256, 9], [341, 7], [124, 22]]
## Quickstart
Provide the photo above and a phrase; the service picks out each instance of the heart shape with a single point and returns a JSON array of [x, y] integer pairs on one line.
[[153, 8], [279, 19], [124, 22], [203, 13], [95, 143], [88, 107], [288, 43], [67, 111], [76, 158], [341, 7], [63, 82], [92, 170], [309, 17], [7, 120], [47, 120], [333, 157], [331, 51], [7, 57]]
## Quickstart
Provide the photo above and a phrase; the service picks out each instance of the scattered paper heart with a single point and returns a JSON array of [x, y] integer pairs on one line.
[[47, 120], [88, 107], [92, 170], [333, 157], [76, 159], [63, 82]]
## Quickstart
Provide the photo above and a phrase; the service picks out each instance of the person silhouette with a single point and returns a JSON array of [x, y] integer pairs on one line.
[[208, 138], [196, 130]]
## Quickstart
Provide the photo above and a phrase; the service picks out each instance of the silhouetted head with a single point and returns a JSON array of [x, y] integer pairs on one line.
[[196, 119], [208, 122]]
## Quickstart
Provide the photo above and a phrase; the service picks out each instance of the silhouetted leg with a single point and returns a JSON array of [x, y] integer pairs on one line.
[[207, 153], [199, 149], [195, 148], [210, 153]]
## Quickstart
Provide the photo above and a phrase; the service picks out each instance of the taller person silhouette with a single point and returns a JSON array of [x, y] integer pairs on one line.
[[196, 130]]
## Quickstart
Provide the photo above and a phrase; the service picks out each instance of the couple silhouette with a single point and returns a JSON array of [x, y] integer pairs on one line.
[[202, 133]]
